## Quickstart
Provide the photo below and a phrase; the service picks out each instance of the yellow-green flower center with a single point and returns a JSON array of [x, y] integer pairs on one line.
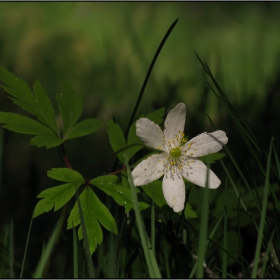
[[176, 152]]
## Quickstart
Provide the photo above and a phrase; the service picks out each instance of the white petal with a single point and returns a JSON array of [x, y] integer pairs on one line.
[[174, 192], [174, 125], [205, 144], [149, 170], [195, 172], [150, 133]]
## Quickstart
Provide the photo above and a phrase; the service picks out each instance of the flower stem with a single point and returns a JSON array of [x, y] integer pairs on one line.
[[66, 160], [148, 251]]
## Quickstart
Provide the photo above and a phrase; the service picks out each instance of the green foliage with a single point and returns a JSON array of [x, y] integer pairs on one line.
[[177, 240], [94, 212], [132, 138], [116, 138], [121, 194], [154, 191], [47, 251], [58, 196], [189, 213], [212, 158], [83, 128], [66, 175], [17, 123], [70, 106], [157, 116], [38, 104], [151, 261], [54, 197]]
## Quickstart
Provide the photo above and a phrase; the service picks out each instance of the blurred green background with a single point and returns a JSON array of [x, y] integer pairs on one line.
[[104, 50]]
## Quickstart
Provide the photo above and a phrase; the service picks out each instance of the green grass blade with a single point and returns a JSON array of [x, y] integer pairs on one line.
[[47, 250], [263, 213], [277, 161], [151, 261], [117, 249], [206, 244], [149, 73], [233, 184], [26, 246], [203, 230], [75, 255], [248, 136], [164, 247], [267, 253], [111, 256]]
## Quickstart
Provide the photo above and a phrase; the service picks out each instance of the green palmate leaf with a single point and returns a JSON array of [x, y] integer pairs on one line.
[[212, 158], [157, 116], [70, 106], [54, 197], [58, 196], [66, 175], [121, 194], [94, 212], [17, 123], [189, 213], [116, 138], [83, 128], [48, 141], [37, 104], [23, 124], [110, 185], [106, 180], [94, 231], [102, 213], [44, 110], [154, 191], [17, 88]]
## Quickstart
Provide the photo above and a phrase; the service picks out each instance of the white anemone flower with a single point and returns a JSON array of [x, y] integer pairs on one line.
[[177, 159]]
